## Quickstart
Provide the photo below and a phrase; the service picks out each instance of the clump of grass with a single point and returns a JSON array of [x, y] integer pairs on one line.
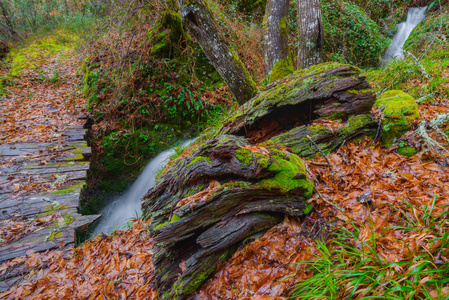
[[348, 267]]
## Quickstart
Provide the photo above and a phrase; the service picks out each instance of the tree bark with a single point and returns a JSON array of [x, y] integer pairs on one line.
[[310, 33], [198, 20], [276, 34], [210, 201], [328, 91]]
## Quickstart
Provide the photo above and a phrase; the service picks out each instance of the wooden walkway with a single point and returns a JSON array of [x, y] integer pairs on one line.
[[31, 217]]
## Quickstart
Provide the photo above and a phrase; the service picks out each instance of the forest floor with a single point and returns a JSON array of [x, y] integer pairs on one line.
[[379, 224]]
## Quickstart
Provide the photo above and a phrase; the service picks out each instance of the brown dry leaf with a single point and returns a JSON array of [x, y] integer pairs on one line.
[[200, 196]]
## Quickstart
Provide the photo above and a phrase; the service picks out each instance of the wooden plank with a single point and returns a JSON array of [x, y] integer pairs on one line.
[[20, 164]]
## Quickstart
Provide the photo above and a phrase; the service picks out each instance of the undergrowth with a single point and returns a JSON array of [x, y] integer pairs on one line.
[[348, 267]]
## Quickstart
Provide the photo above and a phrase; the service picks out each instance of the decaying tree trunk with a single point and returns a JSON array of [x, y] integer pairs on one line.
[[210, 201], [330, 91], [310, 33], [276, 37], [246, 178], [197, 18]]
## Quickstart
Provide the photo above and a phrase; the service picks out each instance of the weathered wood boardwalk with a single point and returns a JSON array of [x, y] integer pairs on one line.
[[40, 187]]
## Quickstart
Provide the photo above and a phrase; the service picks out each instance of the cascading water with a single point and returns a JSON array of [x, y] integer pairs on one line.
[[414, 16], [127, 206]]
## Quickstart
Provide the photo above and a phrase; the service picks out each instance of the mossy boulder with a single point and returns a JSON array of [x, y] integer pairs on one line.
[[399, 111]]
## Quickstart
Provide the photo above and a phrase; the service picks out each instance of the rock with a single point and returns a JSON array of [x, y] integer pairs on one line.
[[399, 111]]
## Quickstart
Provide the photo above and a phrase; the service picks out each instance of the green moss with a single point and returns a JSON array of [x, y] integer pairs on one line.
[[336, 115], [198, 159], [318, 69], [41, 49], [281, 69], [407, 151], [355, 122], [175, 218], [51, 209], [262, 160], [244, 155], [317, 129], [69, 219], [161, 225], [400, 110], [235, 184], [69, 189], [286, 172], [200, 277], [169, 37], [308, 208], [283, 26], [54, 235]]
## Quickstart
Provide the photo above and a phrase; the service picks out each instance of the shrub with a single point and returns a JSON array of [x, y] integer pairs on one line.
[[350, 35]]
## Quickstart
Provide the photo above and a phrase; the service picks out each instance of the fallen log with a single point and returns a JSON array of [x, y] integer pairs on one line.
[[249, 189], [245, 179], [328, 91]]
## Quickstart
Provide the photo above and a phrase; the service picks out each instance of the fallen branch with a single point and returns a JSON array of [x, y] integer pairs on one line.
[[325, 157], [328, 202]]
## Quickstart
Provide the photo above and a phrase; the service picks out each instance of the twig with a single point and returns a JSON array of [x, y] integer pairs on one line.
[[422, 99], [417, 62], [379, 126], [324, 155], [328, 202]]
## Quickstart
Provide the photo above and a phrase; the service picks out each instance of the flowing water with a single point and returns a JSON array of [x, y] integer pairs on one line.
[[414, 16], [127, 206]]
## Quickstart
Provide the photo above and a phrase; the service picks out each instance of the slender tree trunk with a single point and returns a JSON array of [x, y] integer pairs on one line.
[[198, 20], [310, 33], [276, 35]]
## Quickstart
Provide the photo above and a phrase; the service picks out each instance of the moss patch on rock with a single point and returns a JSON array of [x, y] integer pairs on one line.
[[399, 110]]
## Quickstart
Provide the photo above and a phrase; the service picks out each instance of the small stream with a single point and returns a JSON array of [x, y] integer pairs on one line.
[[414, 16], [126, 206]]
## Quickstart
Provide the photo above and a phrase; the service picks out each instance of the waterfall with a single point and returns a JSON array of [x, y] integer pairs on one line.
[[127, 205], [414, 16]]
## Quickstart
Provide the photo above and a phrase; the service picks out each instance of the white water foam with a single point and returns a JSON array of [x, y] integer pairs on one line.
[[126, 207], [414, 16]]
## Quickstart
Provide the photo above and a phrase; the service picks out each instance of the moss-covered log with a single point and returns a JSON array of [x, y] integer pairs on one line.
[[245, 179], [331, 91], [209, 202], [328, 138]]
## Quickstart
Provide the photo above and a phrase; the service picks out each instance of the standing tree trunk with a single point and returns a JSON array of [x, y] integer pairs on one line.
[[198, 20], [310, 33], [278, 62]]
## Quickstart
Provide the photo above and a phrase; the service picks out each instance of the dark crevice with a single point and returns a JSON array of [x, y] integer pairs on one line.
[[281, 120]]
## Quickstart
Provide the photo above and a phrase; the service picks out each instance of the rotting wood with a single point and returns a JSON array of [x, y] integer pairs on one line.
[[246, 178]]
